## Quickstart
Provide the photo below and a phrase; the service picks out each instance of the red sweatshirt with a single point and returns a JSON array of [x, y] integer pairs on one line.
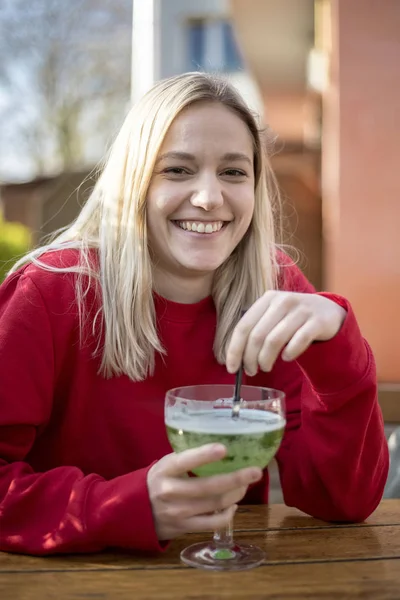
[[75, 448]]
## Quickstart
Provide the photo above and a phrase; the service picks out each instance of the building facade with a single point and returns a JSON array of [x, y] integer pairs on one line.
[[174, 36]]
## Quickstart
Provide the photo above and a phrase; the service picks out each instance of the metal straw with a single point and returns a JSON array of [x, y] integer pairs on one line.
[[236, 394], [238, 384]]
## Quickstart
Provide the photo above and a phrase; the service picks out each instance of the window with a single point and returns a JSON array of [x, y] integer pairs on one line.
[[212, 46]]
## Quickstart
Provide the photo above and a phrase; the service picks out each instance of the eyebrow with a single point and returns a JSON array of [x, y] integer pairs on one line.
[[177, 155], [230, 156]]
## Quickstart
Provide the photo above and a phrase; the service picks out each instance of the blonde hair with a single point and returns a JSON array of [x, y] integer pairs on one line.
[[113, 221]]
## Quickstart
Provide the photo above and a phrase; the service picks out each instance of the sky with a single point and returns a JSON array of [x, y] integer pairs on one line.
[[19, 107], [13, 167]]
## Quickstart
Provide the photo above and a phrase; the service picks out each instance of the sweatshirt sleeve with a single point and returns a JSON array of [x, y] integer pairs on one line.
[[63, 509], [333, 460]]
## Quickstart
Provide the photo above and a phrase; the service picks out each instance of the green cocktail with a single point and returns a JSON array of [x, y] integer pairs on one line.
[[202, 414], [251, 440]]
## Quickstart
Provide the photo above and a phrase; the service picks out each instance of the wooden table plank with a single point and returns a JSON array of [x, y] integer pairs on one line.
[[285, 533], [281, 546], [374, 580], [279, 516]]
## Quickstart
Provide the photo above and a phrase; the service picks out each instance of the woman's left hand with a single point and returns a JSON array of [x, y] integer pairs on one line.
[[281, 321]]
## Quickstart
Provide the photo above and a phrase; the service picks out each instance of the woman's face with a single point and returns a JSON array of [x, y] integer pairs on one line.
[[201, 197]]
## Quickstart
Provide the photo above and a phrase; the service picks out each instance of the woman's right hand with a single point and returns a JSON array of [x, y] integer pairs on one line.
[[184, 504]]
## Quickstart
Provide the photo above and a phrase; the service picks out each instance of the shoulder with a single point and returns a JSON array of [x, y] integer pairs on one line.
[[290, 277], [40, 308], [60, 261], [50, 280]]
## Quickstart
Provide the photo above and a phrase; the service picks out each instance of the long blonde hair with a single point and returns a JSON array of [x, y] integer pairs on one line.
[[113, 221]]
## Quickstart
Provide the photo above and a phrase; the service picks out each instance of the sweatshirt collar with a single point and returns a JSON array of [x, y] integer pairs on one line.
[[177, 312]]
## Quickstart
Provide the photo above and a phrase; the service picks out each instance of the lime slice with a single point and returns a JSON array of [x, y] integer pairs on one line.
[[224, 554]]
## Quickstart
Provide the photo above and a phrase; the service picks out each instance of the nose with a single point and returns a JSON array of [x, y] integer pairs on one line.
[[208, 194]]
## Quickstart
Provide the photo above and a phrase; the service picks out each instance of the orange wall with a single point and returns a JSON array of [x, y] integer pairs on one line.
[[285, 113], [361, 171]]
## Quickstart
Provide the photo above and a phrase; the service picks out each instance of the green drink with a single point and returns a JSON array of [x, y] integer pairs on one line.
[[202, 414], [251, 440]]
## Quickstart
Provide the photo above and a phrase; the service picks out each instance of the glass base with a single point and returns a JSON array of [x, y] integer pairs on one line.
[[206, 555]]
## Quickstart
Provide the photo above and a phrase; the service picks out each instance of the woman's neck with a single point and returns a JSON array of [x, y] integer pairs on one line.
[[185, 290]]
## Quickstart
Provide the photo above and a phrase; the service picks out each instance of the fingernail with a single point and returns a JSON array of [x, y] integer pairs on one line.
[[256, 475], [250, 373], [233, 508], [218, 448]]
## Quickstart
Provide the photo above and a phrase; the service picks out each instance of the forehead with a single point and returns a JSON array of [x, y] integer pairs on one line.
[[211, 124]]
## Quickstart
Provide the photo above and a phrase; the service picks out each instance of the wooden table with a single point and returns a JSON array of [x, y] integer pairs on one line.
[[306, 558]]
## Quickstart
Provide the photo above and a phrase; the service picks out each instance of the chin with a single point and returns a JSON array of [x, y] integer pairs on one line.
[[201, 267]]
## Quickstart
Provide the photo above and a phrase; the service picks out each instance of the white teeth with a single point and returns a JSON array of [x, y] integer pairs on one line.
[[200, 227]]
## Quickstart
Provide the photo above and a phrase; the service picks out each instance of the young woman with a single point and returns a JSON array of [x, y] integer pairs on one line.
[[143, 293]]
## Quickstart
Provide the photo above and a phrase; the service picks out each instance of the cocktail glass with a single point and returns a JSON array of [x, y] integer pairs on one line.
[[202, 414]]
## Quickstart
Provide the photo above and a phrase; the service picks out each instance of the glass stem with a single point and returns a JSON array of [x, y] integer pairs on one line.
[[223, 538]]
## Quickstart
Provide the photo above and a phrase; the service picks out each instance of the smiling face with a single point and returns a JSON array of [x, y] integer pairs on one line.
[[201, 197]]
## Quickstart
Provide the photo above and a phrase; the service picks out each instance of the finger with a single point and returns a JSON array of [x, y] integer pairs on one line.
[[203, 506], [212, 522], [206, 487], [242, 330], [281, 335], [275, 314], [302, 339], [177, 464]]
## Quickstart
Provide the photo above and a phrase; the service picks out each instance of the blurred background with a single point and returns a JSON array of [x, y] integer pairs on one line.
[[323, 74]]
